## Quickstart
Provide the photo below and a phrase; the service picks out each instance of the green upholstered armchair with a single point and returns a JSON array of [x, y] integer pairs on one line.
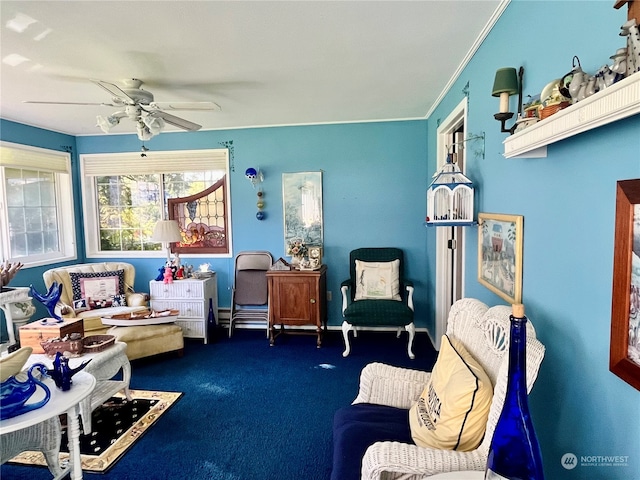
[[377, 294]]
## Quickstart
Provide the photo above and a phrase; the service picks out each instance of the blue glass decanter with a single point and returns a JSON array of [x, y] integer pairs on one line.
[[515, 452]]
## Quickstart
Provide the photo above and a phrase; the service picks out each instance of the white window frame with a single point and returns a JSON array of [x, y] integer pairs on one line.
[[15, 155], [92, 165]]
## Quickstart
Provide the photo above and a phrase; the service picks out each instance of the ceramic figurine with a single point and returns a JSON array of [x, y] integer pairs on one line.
[[62, 373], [620, 62], [632, 32]]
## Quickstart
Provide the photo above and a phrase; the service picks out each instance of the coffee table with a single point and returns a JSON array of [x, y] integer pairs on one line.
[[60, 402], [103, 366]]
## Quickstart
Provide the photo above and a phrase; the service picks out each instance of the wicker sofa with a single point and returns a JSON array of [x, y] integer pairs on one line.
[[370, 447], [142, 341]]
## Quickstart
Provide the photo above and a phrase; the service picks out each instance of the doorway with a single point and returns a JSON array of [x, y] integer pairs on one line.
[[450, 241]]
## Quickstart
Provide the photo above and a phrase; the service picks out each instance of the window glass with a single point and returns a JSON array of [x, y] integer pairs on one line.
[[129, 205], [34, 229]]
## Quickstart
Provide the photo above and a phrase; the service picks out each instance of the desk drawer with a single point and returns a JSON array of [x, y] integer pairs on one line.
[[177, 289], [192, 329], [187, 309]]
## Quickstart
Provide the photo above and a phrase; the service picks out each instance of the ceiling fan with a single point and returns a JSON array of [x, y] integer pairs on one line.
[[139, 106]]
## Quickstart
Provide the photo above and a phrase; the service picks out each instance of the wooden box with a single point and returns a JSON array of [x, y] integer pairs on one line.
[[33, 333]]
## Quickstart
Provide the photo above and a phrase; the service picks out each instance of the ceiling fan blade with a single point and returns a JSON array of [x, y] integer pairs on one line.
[[115, 91], [185, 106], [71, 103], [175, 121]]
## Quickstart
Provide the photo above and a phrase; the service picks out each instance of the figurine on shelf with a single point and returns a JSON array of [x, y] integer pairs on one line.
[[168, 275]]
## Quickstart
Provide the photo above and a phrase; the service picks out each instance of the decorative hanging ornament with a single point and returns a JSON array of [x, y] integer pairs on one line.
[[256, 177]]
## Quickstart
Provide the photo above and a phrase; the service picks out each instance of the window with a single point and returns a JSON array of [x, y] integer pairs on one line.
[[36, 205], [125, 194]]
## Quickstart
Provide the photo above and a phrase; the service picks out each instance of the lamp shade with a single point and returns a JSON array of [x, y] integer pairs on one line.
[[166, 231], [506, 81]]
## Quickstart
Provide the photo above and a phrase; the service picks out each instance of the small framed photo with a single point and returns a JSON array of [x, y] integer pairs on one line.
[[500, 254], [624, 350]]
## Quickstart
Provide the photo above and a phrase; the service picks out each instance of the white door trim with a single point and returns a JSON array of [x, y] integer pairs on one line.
[[444, 267]]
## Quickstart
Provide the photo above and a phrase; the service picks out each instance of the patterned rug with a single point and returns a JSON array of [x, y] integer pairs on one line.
[[117, 425]]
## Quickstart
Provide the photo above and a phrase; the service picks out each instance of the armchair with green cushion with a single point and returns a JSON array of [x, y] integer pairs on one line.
[[377, 294]]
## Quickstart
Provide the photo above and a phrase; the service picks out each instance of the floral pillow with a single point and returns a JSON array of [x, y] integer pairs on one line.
[[378, 280]]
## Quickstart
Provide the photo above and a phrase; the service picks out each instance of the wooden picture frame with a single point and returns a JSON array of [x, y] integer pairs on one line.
[[624, 352], [500, 254]]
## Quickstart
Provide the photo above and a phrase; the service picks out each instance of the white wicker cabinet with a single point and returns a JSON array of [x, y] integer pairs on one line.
[[191, 297]]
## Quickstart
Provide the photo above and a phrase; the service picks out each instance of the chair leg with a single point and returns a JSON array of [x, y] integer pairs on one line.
[[411, 328], [53, 461], [230, 325], [345, 333]]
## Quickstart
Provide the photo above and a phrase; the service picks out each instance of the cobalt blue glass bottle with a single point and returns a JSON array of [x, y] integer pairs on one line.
[[515, 451]]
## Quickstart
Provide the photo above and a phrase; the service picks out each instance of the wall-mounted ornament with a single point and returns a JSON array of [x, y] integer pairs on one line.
[[450, 197], [256, 177]]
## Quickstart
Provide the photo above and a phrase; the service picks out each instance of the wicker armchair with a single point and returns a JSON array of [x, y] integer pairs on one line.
[[485, 334]]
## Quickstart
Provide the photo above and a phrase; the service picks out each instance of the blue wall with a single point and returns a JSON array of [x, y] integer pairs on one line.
[[375, 176], [568, 203]]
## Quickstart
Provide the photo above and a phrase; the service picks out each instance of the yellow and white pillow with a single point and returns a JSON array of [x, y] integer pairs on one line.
[[452, 411], [378, 280]]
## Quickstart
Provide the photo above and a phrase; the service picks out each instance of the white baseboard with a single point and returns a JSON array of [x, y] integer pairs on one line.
[[225, 313]]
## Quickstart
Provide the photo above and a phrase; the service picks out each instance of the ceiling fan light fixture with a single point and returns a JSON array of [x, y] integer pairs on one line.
[[144, 133], [154, 124], [107, 123]]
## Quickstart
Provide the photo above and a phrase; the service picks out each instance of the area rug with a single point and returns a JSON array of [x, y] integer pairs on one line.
[[117, 425]]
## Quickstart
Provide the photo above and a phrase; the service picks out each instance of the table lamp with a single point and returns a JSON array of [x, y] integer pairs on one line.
[[166, 231]]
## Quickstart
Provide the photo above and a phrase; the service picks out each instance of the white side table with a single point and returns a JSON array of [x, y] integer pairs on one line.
[[103, 366], [192, 298], [60, 402]]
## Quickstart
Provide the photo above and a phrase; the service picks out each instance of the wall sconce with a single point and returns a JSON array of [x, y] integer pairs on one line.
[[256, 177], [507, 83]]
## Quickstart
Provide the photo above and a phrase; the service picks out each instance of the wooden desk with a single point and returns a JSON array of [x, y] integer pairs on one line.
[[60, 402], [297, 298]]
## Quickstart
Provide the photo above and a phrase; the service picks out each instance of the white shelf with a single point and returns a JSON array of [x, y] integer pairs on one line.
[[620, 100]]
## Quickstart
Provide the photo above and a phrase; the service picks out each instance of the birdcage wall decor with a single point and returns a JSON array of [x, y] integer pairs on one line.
[[450, 197]]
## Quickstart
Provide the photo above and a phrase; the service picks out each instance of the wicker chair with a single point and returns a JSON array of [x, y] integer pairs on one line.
[[371, 312], [485, 334]]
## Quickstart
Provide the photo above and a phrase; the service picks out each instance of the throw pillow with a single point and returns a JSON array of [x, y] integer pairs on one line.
[[378, 280], [89, 303], [97, 284], [452, 411]]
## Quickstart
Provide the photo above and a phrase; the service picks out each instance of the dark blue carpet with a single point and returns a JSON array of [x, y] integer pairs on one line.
[[249, 411]]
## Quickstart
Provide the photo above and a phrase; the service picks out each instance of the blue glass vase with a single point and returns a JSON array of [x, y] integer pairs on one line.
[[515, 452]]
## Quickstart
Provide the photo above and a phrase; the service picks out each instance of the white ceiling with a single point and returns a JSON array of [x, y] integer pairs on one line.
[[264, 62]]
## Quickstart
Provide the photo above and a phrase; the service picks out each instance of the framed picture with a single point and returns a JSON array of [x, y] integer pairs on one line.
[[624, 353], [500, 254], [302, 203]]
